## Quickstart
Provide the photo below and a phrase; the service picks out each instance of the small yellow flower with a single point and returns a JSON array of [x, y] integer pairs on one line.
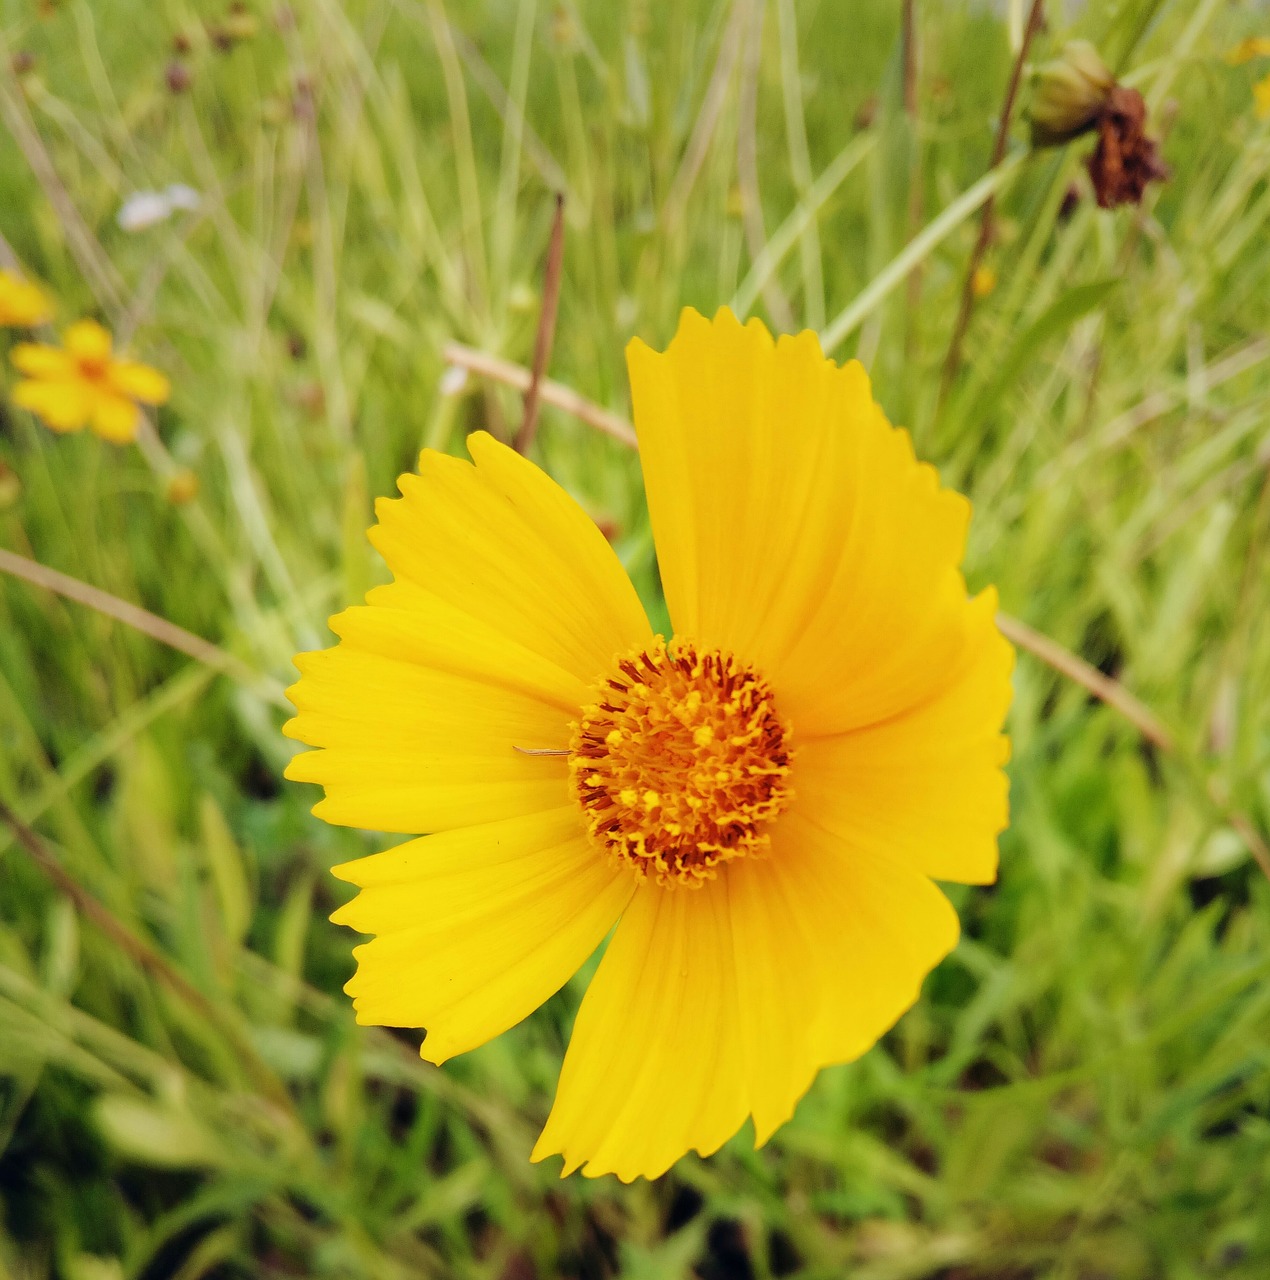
[[82, 384], [1248, 49], [1261, 98], [23, 305], [983, 282], [758, 808]]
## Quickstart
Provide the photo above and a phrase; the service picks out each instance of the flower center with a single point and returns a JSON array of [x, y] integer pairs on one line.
[[92, 368], [681, 762]]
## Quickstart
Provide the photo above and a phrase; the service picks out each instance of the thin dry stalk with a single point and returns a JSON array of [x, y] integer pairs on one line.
[[1110, 691], [952, 361], [546, 329], [142, 620], [1116, 696], [1249, 834], [552, 393]]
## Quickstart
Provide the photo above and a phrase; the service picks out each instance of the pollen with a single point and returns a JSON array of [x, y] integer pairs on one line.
[[681, 762]]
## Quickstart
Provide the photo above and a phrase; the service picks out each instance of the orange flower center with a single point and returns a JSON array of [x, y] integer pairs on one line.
[[681, 762], [92, 368]]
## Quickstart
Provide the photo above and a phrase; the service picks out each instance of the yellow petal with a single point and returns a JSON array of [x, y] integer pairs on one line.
[[653, 1067], [507, 604], [87, 340], [21, 302], [38, 360], [409, 748], [63, 406], [409, 623], [477, 927], [115, 418], [926, 786], [1247, 49], [715, 1004], [138, 381], [1261, 97], [831, 948], [794, 525], [505, 544]]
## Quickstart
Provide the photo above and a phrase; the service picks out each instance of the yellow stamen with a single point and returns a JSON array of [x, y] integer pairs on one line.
[[681, 762]]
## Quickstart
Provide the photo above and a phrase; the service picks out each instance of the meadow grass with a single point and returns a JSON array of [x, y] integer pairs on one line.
[[1083, 1091]]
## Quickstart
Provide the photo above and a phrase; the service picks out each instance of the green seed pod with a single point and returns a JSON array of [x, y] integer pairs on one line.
[[1069, 94]]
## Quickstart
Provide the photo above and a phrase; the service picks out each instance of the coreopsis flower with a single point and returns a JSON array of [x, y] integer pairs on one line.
[[82, 383], [23, 305], [760, 803]]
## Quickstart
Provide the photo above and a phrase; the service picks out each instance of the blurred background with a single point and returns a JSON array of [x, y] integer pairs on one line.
[[292, 210]]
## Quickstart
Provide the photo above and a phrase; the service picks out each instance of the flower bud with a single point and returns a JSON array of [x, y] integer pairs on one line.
[[1069, 94], [178, 77], [182, 487]]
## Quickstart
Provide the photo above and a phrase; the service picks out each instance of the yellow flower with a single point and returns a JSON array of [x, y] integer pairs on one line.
[[1261, 98], [83, 384], [760, 804], [983, 282], [1248, 49], [22, 304]]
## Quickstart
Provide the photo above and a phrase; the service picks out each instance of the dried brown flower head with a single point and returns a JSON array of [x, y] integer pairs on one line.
[[1074, 94], [1125, 159]]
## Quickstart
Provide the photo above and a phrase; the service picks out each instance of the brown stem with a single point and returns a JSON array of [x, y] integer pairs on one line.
[[953, 360], [1110, 691], [546, 329], [553, 393], [1116, 696]]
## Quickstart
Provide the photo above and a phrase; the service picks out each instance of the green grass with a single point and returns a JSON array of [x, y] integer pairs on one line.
[[1083, 1092]]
